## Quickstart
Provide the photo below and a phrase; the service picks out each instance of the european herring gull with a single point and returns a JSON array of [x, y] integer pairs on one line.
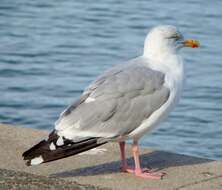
[[123, 103]]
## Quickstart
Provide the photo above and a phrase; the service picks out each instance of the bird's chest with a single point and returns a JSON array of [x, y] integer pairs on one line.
[[174, 80]]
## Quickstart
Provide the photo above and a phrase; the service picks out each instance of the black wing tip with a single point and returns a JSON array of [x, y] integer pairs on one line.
[[45, 151]]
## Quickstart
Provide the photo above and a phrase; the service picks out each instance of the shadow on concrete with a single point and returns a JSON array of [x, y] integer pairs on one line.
[[157, 160]]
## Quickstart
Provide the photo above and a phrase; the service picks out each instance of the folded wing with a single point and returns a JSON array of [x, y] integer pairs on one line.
[[115, 104]]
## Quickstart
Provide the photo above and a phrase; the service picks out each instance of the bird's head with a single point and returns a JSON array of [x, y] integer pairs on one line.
[[166, 39]]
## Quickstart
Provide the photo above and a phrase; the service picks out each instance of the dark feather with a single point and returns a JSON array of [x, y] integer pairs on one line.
[[69, 148]]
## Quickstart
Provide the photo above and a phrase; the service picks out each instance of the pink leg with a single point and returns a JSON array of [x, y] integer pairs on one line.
[[144, 173], [124, 167]]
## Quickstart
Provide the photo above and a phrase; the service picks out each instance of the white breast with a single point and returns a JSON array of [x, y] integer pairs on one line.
[[174, 79]]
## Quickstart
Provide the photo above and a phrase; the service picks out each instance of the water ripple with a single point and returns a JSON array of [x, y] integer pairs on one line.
[[50, 51]]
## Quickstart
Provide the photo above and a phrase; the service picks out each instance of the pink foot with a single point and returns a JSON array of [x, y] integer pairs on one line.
[[149, 174], [132, 170], [146, 173], [127, 170]]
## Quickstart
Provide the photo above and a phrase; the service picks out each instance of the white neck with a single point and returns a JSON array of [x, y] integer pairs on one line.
[[158, 51], [169, 63], [164, 57]]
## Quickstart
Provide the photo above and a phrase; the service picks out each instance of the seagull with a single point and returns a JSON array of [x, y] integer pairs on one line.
[[123, 103]]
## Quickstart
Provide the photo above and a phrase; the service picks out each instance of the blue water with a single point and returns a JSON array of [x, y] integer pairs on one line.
[[51, 50]]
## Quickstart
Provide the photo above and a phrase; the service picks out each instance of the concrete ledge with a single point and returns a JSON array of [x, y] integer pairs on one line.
[[101, 170], [10, 179]]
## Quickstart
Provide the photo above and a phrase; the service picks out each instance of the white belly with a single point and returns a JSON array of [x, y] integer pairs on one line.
[[153, 121], [175, 85]]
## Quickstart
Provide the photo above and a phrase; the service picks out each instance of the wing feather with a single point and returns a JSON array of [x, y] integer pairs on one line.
[[124, 96]]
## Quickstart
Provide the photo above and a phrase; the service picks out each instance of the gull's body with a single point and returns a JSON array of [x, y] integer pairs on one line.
[[123, 103], [174, 80]]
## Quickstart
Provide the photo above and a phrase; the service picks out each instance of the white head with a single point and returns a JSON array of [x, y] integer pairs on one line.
[[166, 39]]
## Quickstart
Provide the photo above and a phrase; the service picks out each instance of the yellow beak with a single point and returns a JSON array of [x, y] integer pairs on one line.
[[191, 43]]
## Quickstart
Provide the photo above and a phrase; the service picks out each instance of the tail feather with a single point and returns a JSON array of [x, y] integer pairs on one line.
[[48, 150]]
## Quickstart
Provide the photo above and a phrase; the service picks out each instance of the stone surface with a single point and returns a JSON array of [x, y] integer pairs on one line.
[[10, 179], [102, 169]]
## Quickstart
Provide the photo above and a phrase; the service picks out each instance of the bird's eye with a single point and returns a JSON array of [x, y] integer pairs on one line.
[[176, 37]]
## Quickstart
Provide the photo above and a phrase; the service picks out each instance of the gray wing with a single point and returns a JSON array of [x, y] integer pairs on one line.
[[122, 98]]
